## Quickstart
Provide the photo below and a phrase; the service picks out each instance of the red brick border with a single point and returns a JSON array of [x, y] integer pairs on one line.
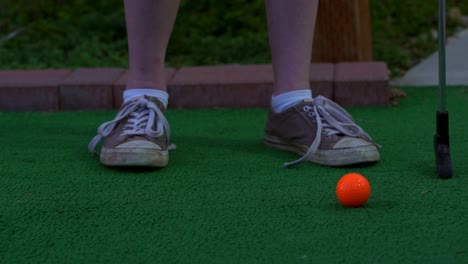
[[321, 79], [30, 90], [227, 86], [236, 86], [89, 89], [361, 84]]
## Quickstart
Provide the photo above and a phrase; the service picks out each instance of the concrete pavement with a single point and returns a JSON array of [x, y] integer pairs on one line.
[[426, 73]]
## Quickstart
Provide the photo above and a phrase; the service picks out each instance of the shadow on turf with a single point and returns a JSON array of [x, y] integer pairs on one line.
[[241, 145], [358, 166], [249, 145], [134, 169], [375, 202], [427, 169]]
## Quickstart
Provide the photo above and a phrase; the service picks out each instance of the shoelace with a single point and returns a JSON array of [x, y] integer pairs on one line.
[[331, 119], [142, 114]]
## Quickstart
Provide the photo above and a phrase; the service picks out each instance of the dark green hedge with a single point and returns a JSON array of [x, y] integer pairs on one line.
[[91, 33]]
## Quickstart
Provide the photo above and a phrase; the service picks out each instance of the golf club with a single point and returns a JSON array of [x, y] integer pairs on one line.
[[441, 138]]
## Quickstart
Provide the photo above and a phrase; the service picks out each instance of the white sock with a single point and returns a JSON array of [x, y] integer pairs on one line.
[[284, 101], [131, 94]]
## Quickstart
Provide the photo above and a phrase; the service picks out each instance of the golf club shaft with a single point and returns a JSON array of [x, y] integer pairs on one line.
[[442, 40]]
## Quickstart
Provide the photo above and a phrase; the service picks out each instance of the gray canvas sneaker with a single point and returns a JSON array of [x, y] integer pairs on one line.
[[138, 136], [321, 132]]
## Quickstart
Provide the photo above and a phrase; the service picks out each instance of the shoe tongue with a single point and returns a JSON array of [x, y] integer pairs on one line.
[[156, 101], [132, 138], [304, 103]]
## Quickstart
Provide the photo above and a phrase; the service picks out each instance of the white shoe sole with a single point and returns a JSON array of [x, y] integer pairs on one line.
[[334, 157], [134, 157]]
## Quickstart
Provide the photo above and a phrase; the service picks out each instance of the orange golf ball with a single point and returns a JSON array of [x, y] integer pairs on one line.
[[353, 190]]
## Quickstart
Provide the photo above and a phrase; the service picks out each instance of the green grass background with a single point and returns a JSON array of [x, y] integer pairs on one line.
[[225, 197]]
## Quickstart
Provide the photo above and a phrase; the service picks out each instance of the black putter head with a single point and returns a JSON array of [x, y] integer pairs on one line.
[[442, 146]]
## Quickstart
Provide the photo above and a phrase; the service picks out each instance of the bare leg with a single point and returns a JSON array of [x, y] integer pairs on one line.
[[149, 27], [291, 27]]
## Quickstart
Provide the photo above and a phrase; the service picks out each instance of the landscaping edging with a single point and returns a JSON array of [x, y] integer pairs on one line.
[[225, 86]]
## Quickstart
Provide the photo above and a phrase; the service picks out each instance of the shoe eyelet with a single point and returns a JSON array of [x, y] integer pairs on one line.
[[307, 108]]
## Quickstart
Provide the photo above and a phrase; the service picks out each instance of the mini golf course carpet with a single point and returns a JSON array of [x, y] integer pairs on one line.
[[225, 197]]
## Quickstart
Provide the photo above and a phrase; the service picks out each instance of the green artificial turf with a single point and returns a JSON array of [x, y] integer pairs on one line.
[[225, 197]]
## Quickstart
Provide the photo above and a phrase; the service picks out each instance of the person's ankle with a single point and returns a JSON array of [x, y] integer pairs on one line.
[[283, 101], [132, 94]]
